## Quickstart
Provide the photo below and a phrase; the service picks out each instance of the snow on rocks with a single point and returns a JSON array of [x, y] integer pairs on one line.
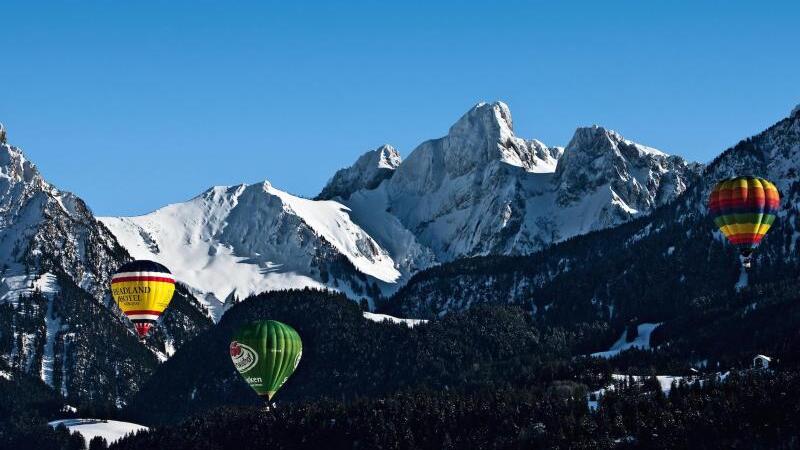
[[367, 173], [482, 190], [52, 328]]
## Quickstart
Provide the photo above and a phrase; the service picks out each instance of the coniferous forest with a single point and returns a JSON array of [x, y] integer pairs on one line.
[[489, 377]]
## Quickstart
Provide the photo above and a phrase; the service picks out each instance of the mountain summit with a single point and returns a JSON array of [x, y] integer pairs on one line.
[[45, 230], [478, 190], [482, 190], [367, 173], [638, 177]]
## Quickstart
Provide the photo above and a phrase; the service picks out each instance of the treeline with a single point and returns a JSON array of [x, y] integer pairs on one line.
[[748, 410], [346, 356], [26, 404]]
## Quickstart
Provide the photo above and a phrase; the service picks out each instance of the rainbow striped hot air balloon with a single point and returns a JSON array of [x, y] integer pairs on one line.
[[142, 290], [744, 208]]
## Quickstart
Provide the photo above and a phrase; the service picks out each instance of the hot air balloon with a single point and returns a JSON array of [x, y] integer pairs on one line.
[[744, 208], [142, 290], [266, 353]]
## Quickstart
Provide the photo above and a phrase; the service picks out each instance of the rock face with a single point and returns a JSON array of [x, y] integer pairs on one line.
[[367, 173], [639, 178], [482, 190], [43, 230]]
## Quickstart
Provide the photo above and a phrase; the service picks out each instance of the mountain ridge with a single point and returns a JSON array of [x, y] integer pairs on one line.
[[677, 241], [478, 190]]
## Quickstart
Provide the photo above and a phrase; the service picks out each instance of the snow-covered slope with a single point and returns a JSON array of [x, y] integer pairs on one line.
[[110, 430], [637, 177], [483, 190], [235, 241], [642, 341], [411, 323]]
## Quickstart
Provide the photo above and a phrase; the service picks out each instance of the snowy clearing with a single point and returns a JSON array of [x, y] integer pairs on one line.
[[411, 323], [111, 430], [642, 341], [664, 381], [742, 282]]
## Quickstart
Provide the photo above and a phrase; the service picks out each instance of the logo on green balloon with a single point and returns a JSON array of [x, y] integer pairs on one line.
[[243, 356]]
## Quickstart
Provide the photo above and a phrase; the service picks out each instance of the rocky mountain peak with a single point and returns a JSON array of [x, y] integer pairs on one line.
[[481, 140], [638, 177], [388, 157], [369, 170], [15, 167], [20, 181], [487, 119]]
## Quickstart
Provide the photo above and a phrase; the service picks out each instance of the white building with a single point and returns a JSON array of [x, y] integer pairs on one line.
[[761, 362]]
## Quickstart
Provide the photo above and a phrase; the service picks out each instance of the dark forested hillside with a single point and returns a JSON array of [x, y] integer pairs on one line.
[[346, 356], [748, 410], [83, 349], [26, 404]]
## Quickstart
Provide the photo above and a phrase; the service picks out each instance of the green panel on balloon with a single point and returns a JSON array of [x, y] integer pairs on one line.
[[266, 353]]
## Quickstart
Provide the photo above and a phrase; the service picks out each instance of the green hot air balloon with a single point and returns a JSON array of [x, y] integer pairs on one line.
[[266, 353]]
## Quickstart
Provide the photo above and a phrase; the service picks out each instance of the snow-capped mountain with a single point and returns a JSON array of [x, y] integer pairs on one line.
[[482, 190], [478, 190], [367, 173], [56, 318], [231, 242], [649, 268]]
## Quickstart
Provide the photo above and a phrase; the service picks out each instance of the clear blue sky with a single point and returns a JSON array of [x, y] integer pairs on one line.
[[133, 105]]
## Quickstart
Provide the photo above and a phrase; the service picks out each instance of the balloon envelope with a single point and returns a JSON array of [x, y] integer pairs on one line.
[[744, 209], [266, 353], [142, 290]]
